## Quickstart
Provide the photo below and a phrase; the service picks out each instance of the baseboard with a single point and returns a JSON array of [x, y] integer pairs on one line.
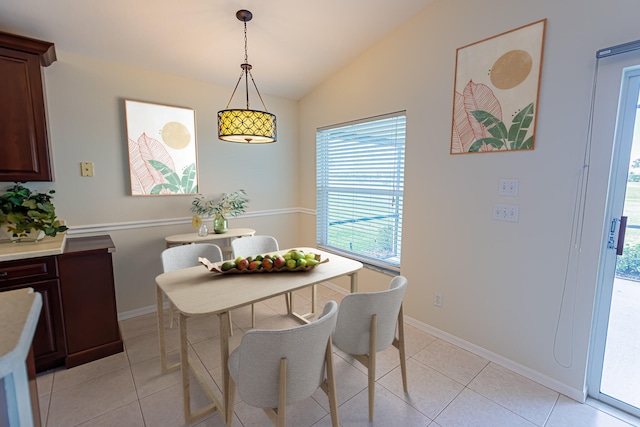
[[124, 315], [575, 394]]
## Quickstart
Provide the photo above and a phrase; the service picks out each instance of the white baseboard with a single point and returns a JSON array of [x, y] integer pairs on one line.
[[575, 394]]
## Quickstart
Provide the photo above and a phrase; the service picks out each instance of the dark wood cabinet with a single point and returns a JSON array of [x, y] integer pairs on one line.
[[78, 322], [41, 274], [24, 144], [89, 300]]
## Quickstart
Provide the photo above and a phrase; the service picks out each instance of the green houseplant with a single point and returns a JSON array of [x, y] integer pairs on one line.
[[230, 204], [27, 214]]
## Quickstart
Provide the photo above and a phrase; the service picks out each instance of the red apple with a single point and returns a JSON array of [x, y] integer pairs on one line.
[[254, 265], [279, 262], [242, 265], [267, 264]]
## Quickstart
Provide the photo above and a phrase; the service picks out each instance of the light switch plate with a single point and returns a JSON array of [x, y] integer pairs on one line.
[[508, 187]]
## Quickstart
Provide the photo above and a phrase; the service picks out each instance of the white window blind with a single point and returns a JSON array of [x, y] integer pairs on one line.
[[360, 187]]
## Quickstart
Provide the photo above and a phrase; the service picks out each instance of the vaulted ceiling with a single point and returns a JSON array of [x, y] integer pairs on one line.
[[293, 44]]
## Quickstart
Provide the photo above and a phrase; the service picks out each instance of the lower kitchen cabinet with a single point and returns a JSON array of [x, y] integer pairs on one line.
[[78, 322]]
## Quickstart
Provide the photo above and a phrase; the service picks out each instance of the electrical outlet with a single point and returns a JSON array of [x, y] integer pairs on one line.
[[508, 213], [437, 299]]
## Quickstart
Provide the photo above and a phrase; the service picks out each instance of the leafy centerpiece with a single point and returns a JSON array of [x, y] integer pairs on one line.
[[232, 204], [28, 215]]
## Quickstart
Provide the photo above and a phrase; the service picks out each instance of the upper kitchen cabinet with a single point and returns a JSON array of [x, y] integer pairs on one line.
[[24, 142]]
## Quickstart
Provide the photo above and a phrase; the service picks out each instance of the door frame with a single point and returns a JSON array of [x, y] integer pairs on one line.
[[629, 88]]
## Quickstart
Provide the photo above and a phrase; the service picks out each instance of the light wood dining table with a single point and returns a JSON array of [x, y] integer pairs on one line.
[[196, 291]]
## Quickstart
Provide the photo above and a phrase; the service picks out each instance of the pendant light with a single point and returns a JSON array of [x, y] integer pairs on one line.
[[246, 126]]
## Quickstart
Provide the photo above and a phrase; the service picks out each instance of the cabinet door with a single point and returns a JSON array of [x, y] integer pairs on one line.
[[49, 346], [24, 147]]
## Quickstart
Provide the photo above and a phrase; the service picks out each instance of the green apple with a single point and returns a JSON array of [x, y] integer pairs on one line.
[[291, 264]]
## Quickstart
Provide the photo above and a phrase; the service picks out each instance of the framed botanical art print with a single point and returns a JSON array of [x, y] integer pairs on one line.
[[496, 91], [162, 149]]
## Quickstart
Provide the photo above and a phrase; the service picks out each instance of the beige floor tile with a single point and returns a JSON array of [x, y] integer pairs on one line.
[[470, 409], [140, 325], [429, 391], [452, 361], [241, 317], [416, 340], [569, 413], [386, 361], [44, 381], [128, 415], [43, 403], [202, 328], [146, 346], [209, 350], [515, 392], [349, 382], [76, 404], [304, 413], [78, 374], [164, 408], [148, 376], [390, 410]]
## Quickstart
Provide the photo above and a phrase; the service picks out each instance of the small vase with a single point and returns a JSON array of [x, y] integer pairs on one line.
[[32, 236], [203, 231], [220, 225]]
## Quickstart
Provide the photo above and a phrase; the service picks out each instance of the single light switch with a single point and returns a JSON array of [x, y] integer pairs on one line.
[[86, 168]]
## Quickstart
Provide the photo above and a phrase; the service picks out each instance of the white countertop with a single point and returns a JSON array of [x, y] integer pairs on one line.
[[10, 251], [19, 313]]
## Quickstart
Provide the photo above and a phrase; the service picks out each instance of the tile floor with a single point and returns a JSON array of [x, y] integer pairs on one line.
[[448, 386]]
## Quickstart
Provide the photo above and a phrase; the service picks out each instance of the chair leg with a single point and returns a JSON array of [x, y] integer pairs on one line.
[[253, 316], [371, 371], [331, 385], [282, 394], [401, 348], [232, 398]]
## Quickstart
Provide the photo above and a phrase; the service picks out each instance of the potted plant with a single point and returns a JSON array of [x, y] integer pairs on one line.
[[230, 204], [25, 214]]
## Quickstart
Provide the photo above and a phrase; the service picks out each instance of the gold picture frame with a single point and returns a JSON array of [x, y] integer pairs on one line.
[[162, 149], [496, 92]]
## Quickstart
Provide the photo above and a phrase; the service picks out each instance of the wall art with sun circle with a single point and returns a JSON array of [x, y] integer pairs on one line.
[[496, 91], [162, 149]]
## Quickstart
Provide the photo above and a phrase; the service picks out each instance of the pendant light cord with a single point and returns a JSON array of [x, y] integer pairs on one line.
[[246, 72]]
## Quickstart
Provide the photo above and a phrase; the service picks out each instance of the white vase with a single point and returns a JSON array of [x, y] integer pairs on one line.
[[32, 236]]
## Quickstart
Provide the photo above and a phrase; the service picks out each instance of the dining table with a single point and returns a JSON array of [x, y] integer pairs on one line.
[[197, 291]]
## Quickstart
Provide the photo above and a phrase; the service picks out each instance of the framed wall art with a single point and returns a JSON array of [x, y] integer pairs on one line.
[[496, 91], [162, 149]]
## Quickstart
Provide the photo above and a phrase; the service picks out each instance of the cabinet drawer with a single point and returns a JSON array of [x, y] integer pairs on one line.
[[27, 270]]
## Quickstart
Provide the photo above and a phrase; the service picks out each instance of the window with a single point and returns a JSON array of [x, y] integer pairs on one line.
[[360, 186]]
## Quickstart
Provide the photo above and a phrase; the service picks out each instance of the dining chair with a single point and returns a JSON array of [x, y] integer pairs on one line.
[[275, 368], [184, 256], [367, 323], [255, 245]]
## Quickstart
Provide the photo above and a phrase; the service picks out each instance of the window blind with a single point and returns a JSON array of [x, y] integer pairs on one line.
[[360, 188]]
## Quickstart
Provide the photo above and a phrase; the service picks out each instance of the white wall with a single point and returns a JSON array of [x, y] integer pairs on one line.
[[85, 101], [502, 283]]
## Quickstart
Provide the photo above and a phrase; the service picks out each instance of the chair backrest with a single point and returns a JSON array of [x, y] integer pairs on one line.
[[303, 346], [354, 318], [183, 256], [254, 245]]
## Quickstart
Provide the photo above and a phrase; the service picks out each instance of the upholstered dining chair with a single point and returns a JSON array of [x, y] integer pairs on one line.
[[275, 368], [184, 256], [367, 324], [255, 245]]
